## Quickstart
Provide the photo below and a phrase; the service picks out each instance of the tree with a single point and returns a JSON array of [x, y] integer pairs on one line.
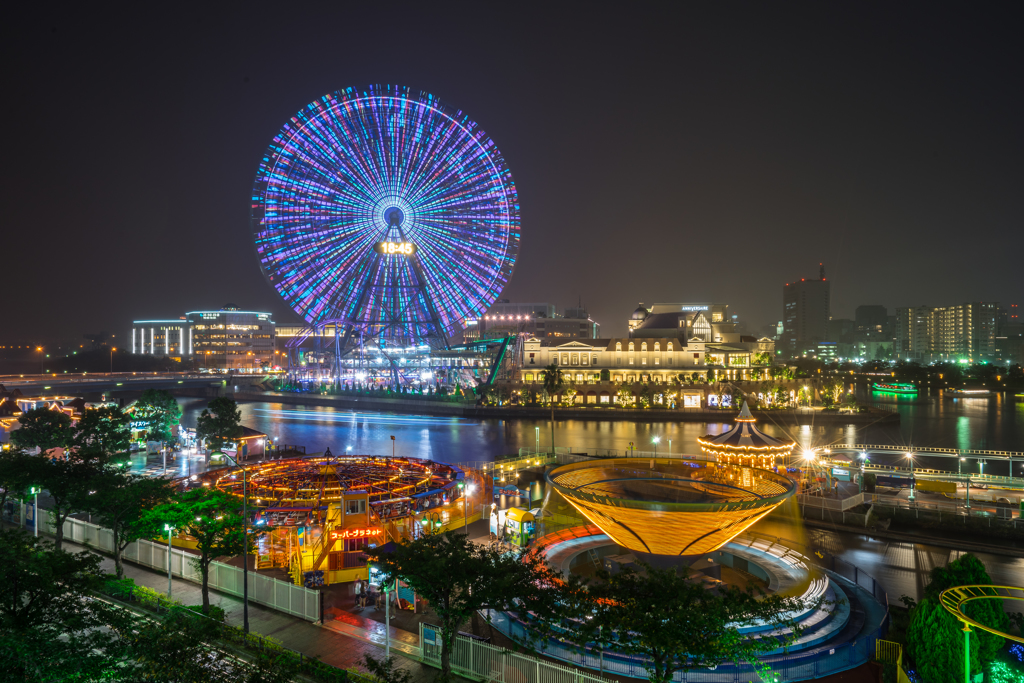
[[763, 358], [51, 628], [964, 571], [606, 375], [121, 503], [832, 392], [44, 429], [458, 578], [160, 411], [386, 670], [936, 644], [625, 396], [14, 464], [219, 423], [105, 430], [675, 621], [67, 480], [212, 518], [553, 381], [569, 393]]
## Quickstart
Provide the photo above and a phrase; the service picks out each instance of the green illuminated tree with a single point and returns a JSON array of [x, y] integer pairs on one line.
[[964, 571], [213, 518], [14, 464], [935, 643], [44, 429], [219, 423], [674, 621], [105, 430], [67, 481], [160, 411], [458, 578], [121, 502], [50, 626]]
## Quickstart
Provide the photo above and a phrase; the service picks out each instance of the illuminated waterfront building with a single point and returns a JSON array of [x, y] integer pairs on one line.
[[232, 339], [171, 338]]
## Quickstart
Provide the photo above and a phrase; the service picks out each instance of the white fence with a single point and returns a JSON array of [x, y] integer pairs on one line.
[[832, 503], [475, 659], [284, 597]]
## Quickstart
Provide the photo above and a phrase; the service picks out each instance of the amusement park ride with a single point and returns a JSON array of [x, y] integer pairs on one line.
[[389, 222], [319, 513]]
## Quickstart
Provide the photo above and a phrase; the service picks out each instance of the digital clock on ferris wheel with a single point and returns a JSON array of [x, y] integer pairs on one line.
[[396, 248]]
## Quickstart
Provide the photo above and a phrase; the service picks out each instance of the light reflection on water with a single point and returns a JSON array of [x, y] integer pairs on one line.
[[996, 423]]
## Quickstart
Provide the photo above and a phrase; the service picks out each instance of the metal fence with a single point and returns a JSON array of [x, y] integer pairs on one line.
[[476, 659], [264, 590]]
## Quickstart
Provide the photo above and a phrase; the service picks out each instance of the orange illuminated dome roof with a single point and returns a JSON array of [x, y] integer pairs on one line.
[[667, 506], [745, 444]]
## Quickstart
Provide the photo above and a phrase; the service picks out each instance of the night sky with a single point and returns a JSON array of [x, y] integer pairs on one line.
[[704, 153]]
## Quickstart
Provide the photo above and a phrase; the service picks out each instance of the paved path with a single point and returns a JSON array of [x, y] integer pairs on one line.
[[328, 644]]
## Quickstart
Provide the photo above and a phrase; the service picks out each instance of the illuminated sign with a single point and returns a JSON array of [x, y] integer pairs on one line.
[[403, 248], [338, 534], [138, 425], [694, 308]]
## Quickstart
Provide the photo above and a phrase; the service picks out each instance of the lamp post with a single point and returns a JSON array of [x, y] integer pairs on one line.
[[169, 529], [112, 359], [670, 446], [245, 548], [40, 350], [910, 456], [537, 449], [863, 460], [35, 509], [656, 440], [391, 463]]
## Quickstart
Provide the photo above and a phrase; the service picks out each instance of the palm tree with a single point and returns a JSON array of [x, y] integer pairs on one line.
[[553, 382]]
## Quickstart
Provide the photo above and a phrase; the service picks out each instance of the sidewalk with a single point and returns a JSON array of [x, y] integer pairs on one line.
[[332, 644]]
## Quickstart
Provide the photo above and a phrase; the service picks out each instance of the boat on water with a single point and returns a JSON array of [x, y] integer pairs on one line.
[[894, 387], [968, 393]]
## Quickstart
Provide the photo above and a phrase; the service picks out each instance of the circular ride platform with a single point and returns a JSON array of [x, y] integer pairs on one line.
[[839, 627]]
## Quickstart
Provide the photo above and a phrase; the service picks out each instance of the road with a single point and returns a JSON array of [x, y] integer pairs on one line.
[[901, 568]]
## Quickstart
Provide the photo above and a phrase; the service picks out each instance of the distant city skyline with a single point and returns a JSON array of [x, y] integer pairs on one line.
[[680, 153]]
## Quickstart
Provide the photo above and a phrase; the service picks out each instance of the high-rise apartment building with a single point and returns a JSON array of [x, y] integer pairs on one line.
[[911, 334], [806, 310], [961, 332], [965, 331]]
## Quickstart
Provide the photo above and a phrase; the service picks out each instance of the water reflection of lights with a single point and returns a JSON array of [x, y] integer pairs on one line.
[[336, 417]]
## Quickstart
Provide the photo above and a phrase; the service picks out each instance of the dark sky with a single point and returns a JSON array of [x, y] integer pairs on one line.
[[693, 153]]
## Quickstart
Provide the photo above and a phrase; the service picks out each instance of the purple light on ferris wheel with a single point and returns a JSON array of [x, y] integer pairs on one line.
[[387, 211]]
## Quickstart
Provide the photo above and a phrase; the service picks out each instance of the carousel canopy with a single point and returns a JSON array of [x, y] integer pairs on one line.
[[745, 436]]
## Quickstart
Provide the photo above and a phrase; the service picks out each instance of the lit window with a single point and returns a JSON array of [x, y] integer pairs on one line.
[[643, 346], [630, 346], [657, 347], [618, 346]]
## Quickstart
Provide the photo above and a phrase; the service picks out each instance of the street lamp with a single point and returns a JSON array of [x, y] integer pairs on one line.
[[656, 440], [40, 350], [466, 490], [112, 359], [863, 459], [245, 547], [169, 529], [537, 449], [910, 456], [35, 508]]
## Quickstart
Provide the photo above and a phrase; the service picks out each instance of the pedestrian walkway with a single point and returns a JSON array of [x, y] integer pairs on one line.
[[332, 645]]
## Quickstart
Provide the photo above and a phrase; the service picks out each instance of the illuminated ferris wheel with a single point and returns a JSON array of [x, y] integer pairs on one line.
[[387, 215]]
